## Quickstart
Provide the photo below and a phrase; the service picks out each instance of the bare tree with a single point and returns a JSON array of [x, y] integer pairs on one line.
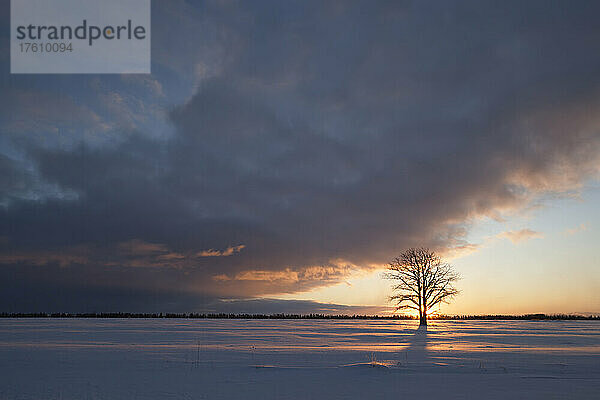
[[424, 281]]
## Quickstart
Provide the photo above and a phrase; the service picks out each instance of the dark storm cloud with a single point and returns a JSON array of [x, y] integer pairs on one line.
[[24, 289], [322, 137]]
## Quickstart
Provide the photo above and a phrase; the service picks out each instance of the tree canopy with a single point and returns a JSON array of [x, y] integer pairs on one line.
[[424, 281]]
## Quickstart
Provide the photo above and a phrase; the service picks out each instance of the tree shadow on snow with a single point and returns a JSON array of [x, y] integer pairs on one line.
[[416, 352]]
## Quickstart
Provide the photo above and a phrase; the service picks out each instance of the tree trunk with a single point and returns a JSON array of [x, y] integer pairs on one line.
[[423, 317]]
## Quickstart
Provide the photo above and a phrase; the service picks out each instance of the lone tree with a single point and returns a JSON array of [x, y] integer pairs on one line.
[[424, 280]]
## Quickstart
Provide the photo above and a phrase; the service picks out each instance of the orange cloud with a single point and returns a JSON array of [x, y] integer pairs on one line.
[[258, 275], [218, 253], [577, 229], [335, 272], [460, 251], [520, 235]]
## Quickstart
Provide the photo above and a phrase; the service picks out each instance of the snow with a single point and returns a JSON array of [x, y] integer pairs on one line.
[[297, 359]]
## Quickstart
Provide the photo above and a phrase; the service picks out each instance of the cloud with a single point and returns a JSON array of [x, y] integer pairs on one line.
[[41, 258], [461, 250], [521, 235], [139, 247], [572, 231], [147, 82], [218, 253], [47, 117], [309, 133], [332, 273], [139, 253]]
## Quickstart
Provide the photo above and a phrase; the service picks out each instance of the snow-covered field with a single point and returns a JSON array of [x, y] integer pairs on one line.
[[297, 359]]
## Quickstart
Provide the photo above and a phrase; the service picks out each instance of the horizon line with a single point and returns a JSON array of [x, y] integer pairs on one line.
[[441, 317]]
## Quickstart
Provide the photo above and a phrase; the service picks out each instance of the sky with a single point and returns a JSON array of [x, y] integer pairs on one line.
[[281, 153]]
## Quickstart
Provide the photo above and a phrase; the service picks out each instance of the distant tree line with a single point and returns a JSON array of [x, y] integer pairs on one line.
[[528, 317], [302, 316]]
